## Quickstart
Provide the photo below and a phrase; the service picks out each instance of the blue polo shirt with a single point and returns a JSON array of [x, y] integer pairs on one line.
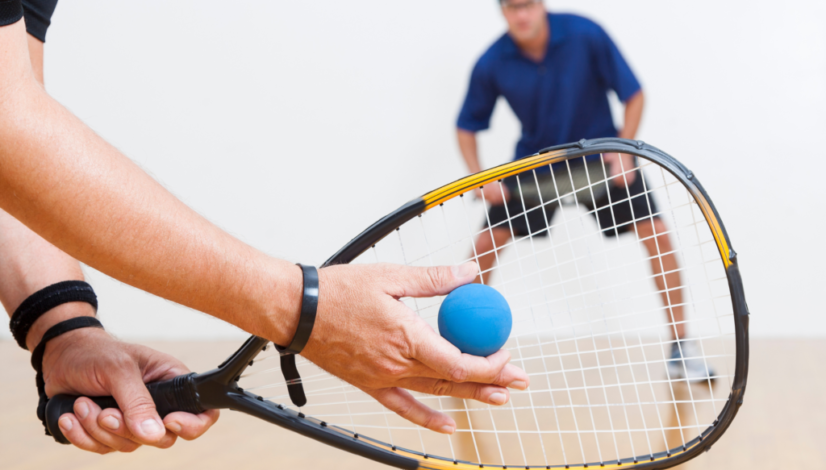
[[563, 98]]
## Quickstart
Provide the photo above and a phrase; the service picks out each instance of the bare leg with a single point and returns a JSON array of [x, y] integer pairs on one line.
[[487, 245], [670, 285]]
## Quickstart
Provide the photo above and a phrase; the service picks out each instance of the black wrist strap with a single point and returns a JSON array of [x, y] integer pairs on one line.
[[46, 299], [309, 306], [37, 357]]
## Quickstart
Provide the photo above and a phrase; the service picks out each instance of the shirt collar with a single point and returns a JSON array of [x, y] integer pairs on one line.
[[558, 35]]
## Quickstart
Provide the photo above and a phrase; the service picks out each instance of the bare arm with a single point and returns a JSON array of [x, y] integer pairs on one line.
[[468, 147], [78, 192], [29, 263], [633, 116]]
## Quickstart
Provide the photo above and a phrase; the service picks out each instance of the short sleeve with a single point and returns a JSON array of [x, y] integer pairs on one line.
[[613, 69], [38, 15], [10, 12], [480, 100]]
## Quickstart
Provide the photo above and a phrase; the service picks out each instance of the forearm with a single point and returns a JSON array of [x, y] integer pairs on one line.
[[633, 115], [27, 264], [78, 192], [468, 148]]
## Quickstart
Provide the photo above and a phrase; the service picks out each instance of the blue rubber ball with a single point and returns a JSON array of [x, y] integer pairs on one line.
[[476, 319]]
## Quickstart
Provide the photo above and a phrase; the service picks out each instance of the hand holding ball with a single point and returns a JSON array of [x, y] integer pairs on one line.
[[476, 319]]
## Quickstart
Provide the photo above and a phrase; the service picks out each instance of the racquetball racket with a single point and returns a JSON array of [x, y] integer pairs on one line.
[[594, 327]]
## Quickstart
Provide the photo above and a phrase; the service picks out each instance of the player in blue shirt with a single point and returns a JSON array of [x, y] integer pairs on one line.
[[555, 71]]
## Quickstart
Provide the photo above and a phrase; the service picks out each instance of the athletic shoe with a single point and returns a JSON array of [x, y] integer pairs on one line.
[[687, 362]]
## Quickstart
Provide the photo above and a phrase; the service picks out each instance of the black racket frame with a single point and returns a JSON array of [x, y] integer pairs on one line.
[[218, 389]]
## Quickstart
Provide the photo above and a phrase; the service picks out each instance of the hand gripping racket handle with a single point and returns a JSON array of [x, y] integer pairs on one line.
[[178, 394]]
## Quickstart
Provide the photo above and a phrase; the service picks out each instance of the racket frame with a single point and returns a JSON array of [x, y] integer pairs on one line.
[[218, 388]]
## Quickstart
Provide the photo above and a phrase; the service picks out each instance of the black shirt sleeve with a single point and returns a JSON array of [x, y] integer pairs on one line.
[[10, 11], [38, 15]]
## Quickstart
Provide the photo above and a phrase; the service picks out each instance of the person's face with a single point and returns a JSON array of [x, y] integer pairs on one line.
[[525, 18]]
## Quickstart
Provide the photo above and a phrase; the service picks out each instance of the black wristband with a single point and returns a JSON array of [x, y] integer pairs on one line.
[[46, 299], [309, 306], [37, 357]]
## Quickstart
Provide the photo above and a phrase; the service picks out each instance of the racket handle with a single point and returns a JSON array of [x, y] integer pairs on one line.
[[178, 394]]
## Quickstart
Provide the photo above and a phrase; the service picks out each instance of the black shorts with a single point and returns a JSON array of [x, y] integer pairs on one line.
[[620, 218]]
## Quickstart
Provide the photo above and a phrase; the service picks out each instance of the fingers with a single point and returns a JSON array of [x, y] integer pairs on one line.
[[438, 280], [77, 435], [489, 394], [189, 426], [88, 414], [450, 364], [112, 420], [402, 403], [142, 423]]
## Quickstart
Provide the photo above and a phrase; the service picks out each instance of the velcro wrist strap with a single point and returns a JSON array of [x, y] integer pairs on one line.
[[46, 299], [37, 357]]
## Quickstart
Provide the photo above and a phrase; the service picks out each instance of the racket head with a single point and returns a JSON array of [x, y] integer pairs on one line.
[[561, 420]]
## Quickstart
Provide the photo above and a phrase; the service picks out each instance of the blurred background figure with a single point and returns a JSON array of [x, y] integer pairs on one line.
[[555, 71]]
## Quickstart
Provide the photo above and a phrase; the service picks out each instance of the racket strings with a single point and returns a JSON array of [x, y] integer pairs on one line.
[[540, 232], [592, 328], [323, 376]]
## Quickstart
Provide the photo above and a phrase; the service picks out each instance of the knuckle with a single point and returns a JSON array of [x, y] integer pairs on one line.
[[436, 277], [405, 411], [141, 405], [459, 372], [392, 369], [502, 377], [442, 388]]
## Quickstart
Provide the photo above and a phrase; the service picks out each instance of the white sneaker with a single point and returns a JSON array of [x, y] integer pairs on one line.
[[687, 362]]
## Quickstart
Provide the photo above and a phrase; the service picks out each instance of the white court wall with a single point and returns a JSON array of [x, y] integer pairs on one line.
[[294, 125]]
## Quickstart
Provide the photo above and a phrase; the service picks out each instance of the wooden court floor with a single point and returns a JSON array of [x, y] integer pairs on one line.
[[782, 423]]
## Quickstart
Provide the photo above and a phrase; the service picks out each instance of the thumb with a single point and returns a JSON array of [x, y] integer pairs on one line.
[[437, 280], [138, 408]]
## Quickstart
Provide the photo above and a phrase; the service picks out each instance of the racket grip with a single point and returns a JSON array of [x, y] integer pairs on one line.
[[177, 394]]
